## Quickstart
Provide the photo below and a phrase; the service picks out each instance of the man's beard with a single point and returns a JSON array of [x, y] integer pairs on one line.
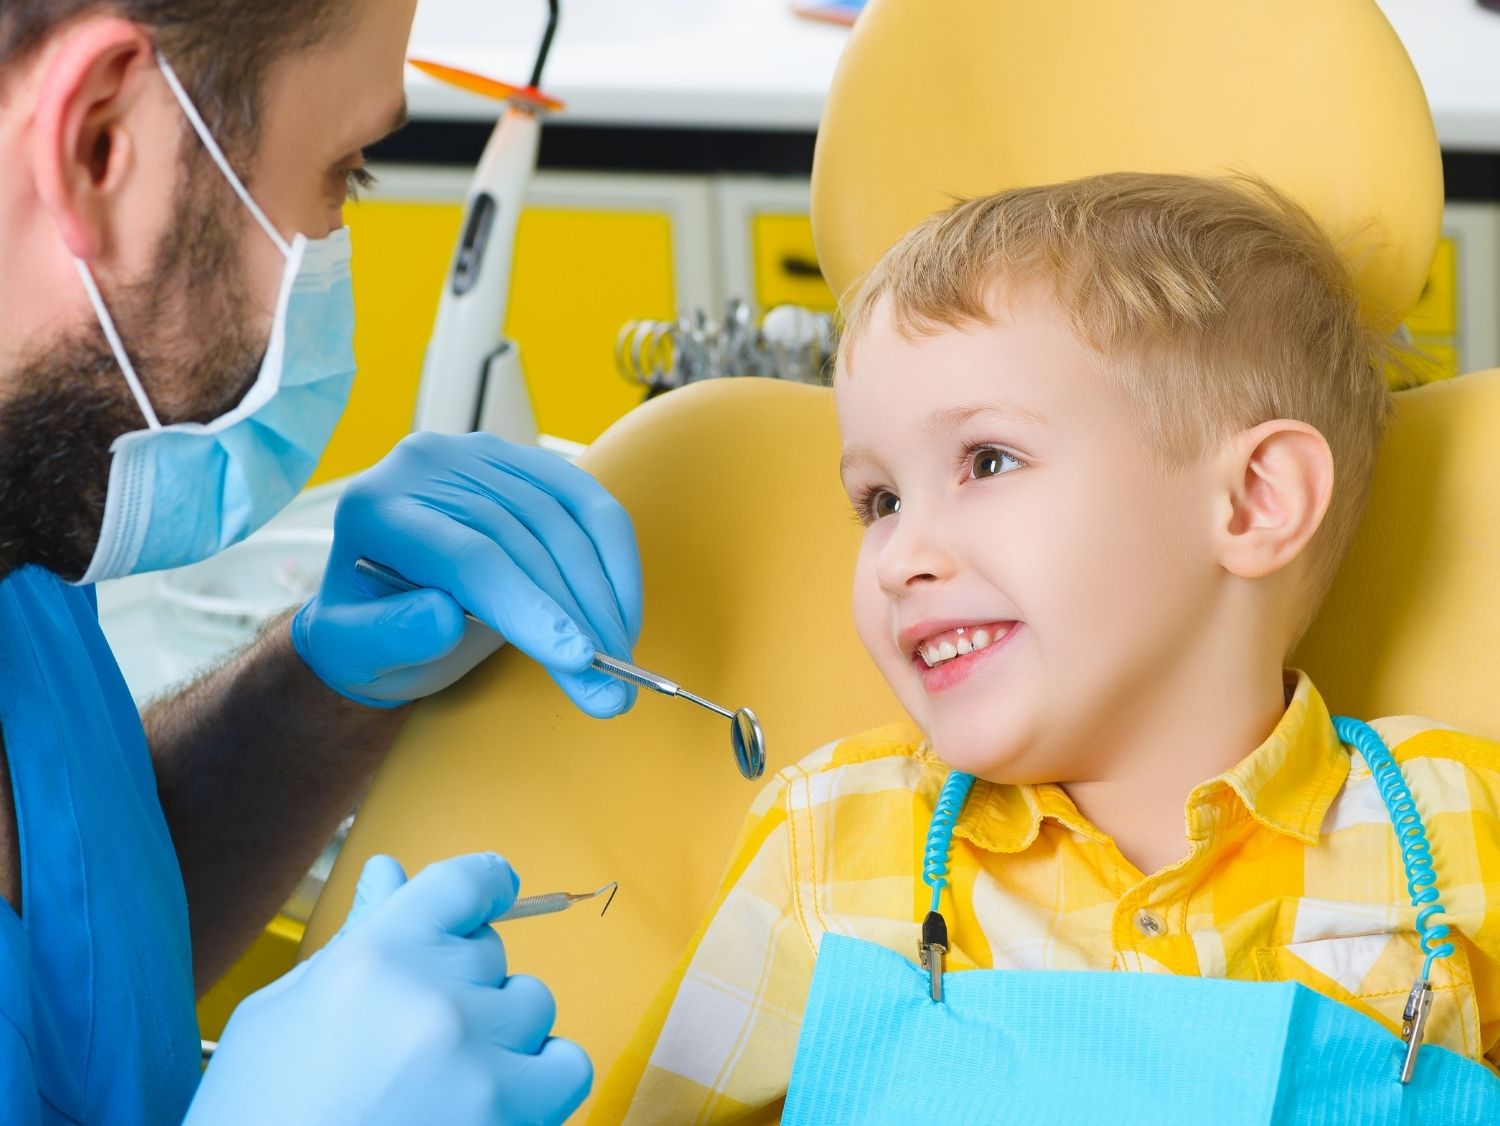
[[183, 328]]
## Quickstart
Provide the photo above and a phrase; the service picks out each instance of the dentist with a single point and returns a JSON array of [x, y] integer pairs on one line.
[[175, 349]]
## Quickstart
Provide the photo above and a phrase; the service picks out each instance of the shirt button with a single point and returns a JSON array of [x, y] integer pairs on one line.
[[1148, 924]]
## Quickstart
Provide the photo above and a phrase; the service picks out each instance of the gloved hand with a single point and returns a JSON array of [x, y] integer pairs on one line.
[[532, 546], [407, 1017]]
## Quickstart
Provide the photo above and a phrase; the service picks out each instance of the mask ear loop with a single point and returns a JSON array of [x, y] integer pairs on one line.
[[117, 346], [199, 127], [107, 322]]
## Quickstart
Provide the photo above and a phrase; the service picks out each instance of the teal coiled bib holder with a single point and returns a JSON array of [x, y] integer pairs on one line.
[[1411, 834]]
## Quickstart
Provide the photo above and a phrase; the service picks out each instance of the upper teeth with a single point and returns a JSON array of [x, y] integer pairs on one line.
[[955, 643]]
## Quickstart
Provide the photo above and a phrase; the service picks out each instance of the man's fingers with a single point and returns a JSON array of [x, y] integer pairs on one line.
[[546, 1087], [596, 694], [416, 681], [519, 1014], [511, 601], [391, 632], [456, 896], [481, 575], [379, 878], [554, 552], [601, 517]]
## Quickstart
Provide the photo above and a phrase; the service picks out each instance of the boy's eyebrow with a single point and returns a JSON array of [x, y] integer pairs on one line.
[[940, 422], [852, 457], [950, 418]]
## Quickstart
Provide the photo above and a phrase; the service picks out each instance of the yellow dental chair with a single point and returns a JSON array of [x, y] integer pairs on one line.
[[748, 542]]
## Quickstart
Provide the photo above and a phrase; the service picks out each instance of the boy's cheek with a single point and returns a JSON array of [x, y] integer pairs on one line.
[[894, 669], [873, 624], [871, 610]]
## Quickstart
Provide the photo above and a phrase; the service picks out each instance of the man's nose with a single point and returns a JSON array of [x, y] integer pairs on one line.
[[914, 553]]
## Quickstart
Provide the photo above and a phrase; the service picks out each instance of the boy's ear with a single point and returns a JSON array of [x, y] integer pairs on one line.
[[1278, 478]]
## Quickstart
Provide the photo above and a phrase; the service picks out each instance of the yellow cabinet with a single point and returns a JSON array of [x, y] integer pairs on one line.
[[765, 243], [786, 263], [580, 275], [401, 255]]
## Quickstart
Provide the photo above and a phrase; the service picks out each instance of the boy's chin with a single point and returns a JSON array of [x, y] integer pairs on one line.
[[995, 759]]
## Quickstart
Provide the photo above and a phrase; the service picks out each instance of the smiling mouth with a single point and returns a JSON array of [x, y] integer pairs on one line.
[[954, 643]]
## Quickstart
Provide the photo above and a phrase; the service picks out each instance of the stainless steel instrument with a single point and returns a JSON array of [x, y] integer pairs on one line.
[[745, 733], [790, 343]]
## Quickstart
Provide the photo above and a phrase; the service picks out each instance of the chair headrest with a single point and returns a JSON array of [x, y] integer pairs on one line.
[[934, 102]]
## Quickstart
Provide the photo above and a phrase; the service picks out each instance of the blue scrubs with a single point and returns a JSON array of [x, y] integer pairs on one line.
[[97, 1021]]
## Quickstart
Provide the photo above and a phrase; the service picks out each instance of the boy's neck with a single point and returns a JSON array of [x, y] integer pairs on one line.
[[1201, 721]]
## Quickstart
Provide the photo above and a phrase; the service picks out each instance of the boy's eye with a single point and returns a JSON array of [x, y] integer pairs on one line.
[[876, 504], [884, 504], [989, 462]]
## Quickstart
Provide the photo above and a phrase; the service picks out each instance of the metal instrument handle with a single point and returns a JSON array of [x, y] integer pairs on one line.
[[368, 568], [622, 670], [555, 901], [537, 905], [635, 675]]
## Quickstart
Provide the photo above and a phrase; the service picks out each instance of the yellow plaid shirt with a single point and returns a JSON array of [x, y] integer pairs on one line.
[[1293, 873]]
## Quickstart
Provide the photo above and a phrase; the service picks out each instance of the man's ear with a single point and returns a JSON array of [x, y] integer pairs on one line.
[[1278, 479], [81, 147]]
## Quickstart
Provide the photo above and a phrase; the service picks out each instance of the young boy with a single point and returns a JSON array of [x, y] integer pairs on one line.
[[1110, 440]]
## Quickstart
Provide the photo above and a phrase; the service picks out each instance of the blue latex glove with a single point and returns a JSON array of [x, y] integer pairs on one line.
[[532, 546], [407, 1016]]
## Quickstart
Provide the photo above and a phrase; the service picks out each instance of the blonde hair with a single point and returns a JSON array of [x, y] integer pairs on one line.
[[1217, 304]]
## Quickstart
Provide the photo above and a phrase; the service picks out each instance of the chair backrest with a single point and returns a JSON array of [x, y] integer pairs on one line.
[[748, 542]]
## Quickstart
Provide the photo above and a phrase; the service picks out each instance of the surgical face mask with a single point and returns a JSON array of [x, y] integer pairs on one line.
[[180, 493]]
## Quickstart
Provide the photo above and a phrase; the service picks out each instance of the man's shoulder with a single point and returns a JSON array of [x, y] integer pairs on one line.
[[36, 590]]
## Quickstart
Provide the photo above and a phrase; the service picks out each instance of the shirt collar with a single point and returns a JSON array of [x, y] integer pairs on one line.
[[1289, 781], [1287, 784], [1005, 818]]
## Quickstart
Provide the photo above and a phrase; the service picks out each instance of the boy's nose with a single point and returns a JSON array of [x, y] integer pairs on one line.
[[913, 555]]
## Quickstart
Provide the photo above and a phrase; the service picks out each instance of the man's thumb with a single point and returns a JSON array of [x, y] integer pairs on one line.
[[381, 876]]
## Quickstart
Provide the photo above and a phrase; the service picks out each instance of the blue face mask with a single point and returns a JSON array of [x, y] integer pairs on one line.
[[180, 493]]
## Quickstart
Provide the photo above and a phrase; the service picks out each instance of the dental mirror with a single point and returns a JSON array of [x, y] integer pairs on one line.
[[749, 743], [745, 733]]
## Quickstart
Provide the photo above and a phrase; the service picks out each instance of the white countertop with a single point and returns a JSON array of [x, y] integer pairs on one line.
[[751, 64]]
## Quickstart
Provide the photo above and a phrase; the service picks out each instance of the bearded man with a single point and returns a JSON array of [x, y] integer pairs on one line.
[[175, 348]]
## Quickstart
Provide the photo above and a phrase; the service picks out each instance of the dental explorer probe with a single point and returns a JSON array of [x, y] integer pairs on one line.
[[745, 733], [555, 901]]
